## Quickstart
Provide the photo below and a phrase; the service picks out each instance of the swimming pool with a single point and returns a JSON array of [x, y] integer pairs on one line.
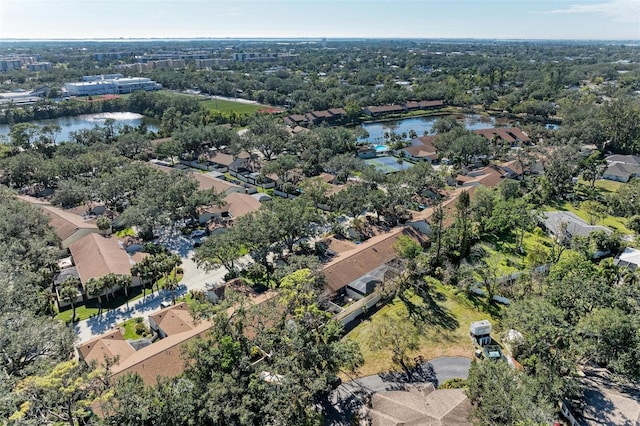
[[381, 148]]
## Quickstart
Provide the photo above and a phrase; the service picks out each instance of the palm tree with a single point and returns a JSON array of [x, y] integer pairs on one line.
[[95, 287], [171, 284], [69, 291]]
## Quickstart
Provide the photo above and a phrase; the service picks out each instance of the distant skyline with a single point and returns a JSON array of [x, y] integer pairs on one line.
[[495, 19]]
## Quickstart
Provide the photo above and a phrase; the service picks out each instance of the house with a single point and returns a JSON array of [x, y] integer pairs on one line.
[[630, 160], [161, 358], [561, 222], [621, 172], [356, 271], [489, 176], [512, 168], [431, 104], [420, 406], [374, 111], [96, 256], [629, 258], [173, 320], [504, 135], [111, 344], [69, 227], [366, 151], [422, 149], [296, 120], [236, 205]]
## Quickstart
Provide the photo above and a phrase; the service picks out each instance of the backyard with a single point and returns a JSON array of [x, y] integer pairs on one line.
[[442, 330]]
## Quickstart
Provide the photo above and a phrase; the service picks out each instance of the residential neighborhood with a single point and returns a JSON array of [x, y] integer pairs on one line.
[[340, 232]]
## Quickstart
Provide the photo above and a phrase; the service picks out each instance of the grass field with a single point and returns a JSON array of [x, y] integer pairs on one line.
[[86, 311], [444, 331], [130, 329], [229, 106]]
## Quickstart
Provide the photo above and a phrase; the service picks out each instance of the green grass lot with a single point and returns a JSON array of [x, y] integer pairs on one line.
[[443, 331], [613, 222], [229, 106], [130, 329], [84, 312]]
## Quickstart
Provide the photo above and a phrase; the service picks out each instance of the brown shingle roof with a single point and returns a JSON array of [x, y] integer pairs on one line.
[[431, 104], [109, 345], [221, 158], [64, 223], [337, 111], [242, 204], [163, 358], [353, 264], [175, 319], [96, 256], [385, 109]]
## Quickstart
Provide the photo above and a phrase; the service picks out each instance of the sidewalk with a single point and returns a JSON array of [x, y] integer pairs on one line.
[[193, 279]]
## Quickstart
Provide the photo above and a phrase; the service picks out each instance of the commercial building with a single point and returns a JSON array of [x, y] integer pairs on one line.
[[110, 84]]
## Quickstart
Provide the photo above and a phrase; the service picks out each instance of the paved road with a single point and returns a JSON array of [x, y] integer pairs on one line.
[[193, 279], [349, 397]]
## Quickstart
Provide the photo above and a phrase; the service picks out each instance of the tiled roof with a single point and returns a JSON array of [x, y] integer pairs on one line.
[[373, 253], [96, 256]]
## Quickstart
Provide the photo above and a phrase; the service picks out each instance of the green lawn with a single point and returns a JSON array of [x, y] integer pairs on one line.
[[613, 222], [444, 331], [86, 311], [228, 106], [130, 329], [604, 184]]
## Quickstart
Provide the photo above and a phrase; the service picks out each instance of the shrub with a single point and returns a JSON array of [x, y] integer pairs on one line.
[[455, 383], [140, 328]]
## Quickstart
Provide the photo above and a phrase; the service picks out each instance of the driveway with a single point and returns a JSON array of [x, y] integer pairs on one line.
[[350, 397], [193, 279]]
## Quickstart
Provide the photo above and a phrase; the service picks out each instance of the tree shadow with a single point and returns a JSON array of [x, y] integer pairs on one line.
[[421, 373], [482, 304], [428, 311]]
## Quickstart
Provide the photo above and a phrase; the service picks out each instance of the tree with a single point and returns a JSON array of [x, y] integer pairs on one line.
[[62, 395], [23, 135], [29, 343], [222, 250], [609, 337], [95, 287], [399, 336], [463, 222], [595, 211], [503, 396], [315, 189], [281, 166], [170, 148], [69, 291], [634, 224], [103, 224], [592, 168]]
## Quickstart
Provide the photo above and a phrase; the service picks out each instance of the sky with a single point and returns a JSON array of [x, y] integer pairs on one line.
[[501, 19]]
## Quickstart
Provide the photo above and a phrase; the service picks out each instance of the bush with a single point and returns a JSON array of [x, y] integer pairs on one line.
[[456, 383], [140, 328]]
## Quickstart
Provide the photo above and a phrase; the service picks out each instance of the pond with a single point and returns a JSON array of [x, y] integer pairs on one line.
[[87, 121], [425, 124]]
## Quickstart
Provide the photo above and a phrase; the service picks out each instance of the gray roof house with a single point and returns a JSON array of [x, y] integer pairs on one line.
[[629, 258], [554, 222], [621, 172]]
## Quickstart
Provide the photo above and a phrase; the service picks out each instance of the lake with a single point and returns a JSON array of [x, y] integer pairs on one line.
[[421, 124], [87, 121]]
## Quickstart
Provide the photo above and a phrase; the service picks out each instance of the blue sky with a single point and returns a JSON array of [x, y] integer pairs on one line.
[[505, 19]]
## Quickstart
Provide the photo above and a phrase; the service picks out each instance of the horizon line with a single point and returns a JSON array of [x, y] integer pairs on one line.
[[319, 38]]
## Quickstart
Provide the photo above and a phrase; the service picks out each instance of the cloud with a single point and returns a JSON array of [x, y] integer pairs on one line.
[[616, 10]]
